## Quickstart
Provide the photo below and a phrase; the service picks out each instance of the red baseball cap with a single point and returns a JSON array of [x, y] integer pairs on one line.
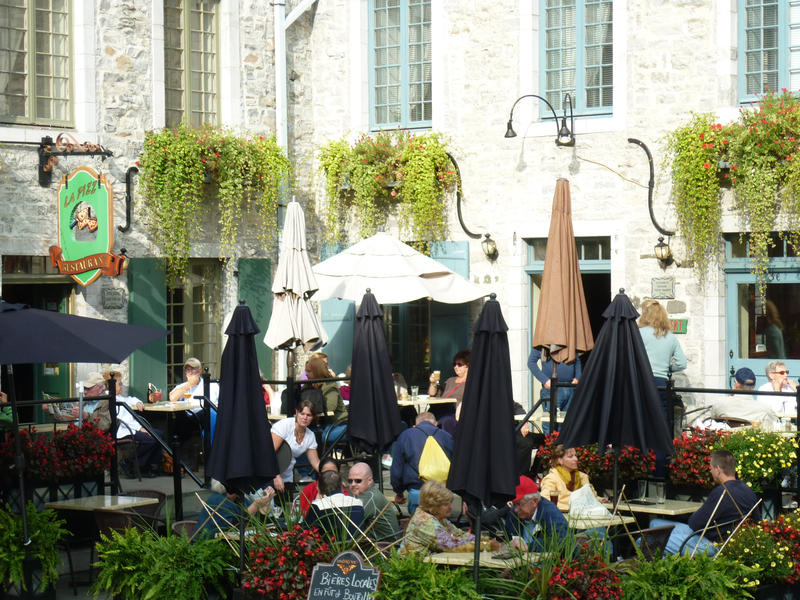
[[526, 486]]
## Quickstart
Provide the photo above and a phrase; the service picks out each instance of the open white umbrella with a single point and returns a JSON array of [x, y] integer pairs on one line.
[[394, 271], [294, 322]]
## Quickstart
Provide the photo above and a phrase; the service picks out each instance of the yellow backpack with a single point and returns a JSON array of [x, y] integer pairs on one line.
[[433, 462]]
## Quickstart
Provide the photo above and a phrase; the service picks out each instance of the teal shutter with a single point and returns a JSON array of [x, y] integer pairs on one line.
[[450, 331], [255, 285], [338, 320], [147, 305]]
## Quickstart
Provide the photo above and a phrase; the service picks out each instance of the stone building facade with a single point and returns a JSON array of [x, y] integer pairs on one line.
[[659, 62]]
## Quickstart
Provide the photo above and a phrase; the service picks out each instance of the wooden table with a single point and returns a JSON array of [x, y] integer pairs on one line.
[[464, 559], [669, 507], [106, 501]]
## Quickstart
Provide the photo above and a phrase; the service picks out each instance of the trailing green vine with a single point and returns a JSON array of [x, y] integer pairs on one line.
[[761, 149], [177, 167], [397, 170]]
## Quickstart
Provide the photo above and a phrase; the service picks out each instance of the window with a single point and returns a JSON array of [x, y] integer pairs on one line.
[[577, 54], [400, 70], [190, 61], [35, 63], [769, 46], [193, 319]]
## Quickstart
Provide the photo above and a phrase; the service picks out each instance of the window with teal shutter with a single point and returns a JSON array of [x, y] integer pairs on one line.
[[400, 63], [769, 47], [576, 53], [255, 288]]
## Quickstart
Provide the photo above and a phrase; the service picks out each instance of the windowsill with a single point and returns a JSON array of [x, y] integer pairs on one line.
[[31, 133], [584, 124]]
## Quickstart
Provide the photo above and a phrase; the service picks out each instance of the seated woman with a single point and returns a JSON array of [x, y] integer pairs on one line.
[[429, 530], [335, 425], [447, 414], [296, 432], [564, 477]]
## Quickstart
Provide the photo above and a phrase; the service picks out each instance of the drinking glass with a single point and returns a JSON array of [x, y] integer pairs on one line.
[[414, 392], [642, 490], [661, 492]]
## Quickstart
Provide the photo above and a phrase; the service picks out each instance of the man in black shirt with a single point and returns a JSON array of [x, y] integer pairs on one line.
[[736, 501]]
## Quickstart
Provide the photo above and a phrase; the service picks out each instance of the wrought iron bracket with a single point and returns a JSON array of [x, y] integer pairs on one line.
[[65, 145], [128, 198], [650, 186]]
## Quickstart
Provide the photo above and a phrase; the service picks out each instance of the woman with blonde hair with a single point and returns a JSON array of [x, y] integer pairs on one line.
[[429, 530]]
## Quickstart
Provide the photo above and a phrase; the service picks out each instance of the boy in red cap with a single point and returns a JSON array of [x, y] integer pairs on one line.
[[533, 521]]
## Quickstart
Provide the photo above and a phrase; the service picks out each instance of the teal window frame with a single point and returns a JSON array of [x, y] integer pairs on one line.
[[404, 63], [573, 37], [787, 24]]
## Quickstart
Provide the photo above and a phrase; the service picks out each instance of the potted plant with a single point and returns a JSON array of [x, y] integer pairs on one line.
[[45, 530], [402, 577], [761, 456], [409, 173], [699, 577], [187, 172], [136, 564], [282, 564], [689, 465], [758, 157]]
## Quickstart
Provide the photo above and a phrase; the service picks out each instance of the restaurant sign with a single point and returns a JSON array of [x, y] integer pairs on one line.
[[85, 228]]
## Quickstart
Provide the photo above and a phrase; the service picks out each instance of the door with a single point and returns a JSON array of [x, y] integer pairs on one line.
[[761, 329]]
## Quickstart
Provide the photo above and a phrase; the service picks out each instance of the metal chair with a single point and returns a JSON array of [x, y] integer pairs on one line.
[[109, 520], [721, 530], [151, 513]]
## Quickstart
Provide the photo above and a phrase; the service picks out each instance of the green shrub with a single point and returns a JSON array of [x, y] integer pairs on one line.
[[406, 577]]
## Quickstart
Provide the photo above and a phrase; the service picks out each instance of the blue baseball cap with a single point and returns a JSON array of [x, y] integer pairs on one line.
[[745, 376]]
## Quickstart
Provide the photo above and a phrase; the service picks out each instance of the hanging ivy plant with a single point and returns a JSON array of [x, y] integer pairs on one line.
[[761, 155], [390, 171], [183, 170]]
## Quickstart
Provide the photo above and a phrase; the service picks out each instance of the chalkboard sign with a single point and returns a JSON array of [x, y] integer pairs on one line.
[[344, 579]]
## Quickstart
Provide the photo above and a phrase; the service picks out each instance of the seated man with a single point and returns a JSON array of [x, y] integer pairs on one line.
[[362, 486], [404, 473], [533, 522], [740, 409], [148, 451], [224, 510], [188, 424], [334, 513], [737, 500]]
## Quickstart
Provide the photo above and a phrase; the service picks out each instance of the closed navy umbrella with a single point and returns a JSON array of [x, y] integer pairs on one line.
[[483, 470], [242, 455], [374, 415], [616, 401]]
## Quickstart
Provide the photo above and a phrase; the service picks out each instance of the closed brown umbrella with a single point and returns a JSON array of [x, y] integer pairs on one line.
[[562, 323]]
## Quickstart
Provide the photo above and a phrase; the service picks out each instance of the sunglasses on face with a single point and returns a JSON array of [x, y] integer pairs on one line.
[[459, 365], [355, 480], [782, 372]]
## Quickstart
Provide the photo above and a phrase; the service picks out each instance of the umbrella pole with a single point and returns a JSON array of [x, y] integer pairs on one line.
[[19, 460], [615, 483], [553, 394], [477, 550]]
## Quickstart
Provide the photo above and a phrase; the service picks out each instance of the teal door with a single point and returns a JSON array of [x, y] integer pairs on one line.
[[761, 329]]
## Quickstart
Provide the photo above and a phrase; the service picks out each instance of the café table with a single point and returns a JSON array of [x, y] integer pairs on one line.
[[172, 409], [105, 501], [43, 427], [425, 401], [670, 508], [487, 559], [590, 522]]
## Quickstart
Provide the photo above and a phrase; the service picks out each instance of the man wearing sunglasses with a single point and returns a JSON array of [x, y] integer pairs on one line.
[[779, 381], [363, 487]]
